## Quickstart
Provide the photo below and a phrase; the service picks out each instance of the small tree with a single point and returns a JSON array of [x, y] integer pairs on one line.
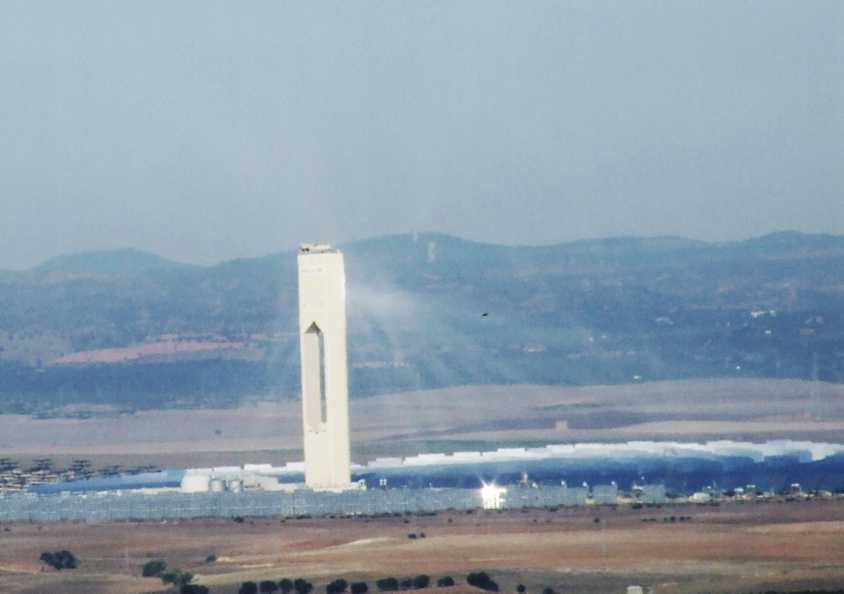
[[48, 559], [521, 589], [445, 582], [69, 560], [60, 560], [406, 583], [337, 586], [267, 587], [421, 582], [193, 589], [177, 577], [302, 586], [359, 588], [548, 591], [286, 586], [154, 568], [389, 584], [481, 579], [248, 588]]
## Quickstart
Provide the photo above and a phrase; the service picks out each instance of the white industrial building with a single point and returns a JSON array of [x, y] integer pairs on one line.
[[263, 477]]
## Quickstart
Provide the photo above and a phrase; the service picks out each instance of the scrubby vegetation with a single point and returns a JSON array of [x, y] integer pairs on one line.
[[421, 581], [60, 560], [177, 577], [481, 579], [154, 568], [389, 584], [337, 586]]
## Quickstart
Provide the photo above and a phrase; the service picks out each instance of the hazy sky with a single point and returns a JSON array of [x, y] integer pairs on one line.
[[206, 131]]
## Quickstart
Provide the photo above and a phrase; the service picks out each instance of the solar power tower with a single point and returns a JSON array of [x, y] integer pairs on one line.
[[322, 343]]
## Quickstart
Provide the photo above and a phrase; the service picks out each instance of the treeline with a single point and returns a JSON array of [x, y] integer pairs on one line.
[[342, 586]]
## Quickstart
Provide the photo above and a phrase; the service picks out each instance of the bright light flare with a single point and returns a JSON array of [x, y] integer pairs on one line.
[[492, 495]]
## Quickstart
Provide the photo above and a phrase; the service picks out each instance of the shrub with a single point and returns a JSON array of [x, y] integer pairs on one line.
[[481, 579], [521, 589], [421, 581], [337, 586], [248, 588], [285, 586], [359, 588], [406, 583], [169, 577], [302, 586], [177, 577], [267, 587], [445, 582], [390, 584], [60, 560], [154, 568], [193, 589], [548, 591], [212, 558]]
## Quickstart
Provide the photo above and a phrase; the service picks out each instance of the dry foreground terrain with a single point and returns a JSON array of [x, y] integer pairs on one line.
[[728, 548]]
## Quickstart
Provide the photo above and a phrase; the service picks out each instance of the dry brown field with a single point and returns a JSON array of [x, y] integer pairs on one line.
[[733, 547]]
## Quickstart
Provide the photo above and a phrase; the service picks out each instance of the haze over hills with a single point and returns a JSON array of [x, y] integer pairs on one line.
[[125, 261], [132, 330]]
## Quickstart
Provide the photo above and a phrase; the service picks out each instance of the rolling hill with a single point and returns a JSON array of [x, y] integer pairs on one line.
[[132, 330]]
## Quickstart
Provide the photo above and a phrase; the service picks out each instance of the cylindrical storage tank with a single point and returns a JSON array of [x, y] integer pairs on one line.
[[235, 485], [194, 483], [217, 485]]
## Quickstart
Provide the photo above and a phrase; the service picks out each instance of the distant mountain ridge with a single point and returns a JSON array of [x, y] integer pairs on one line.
[[107, 262], [130, 328], [133, 260]]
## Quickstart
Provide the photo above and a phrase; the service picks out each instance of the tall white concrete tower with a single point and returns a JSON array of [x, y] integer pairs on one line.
[[322, 345]]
